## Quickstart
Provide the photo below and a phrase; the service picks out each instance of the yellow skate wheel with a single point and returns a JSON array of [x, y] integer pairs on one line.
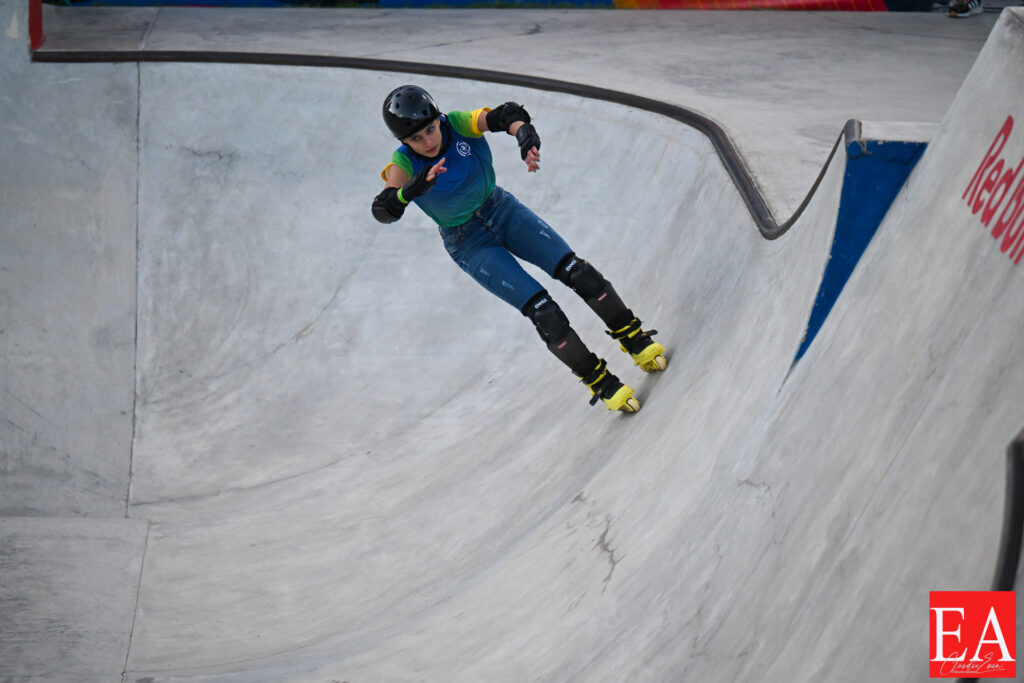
[[652, 359], [623, 400]]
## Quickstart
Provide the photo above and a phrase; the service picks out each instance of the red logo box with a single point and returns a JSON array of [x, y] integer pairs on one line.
[[973, 634]]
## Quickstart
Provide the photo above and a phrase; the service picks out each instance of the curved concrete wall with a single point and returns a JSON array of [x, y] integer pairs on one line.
[[331, 405], [351, 463]]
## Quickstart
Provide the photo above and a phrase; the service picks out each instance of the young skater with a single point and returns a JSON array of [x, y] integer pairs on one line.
[[444, 166]]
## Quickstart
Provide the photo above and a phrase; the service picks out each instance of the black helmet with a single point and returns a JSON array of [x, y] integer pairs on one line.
[[408, 109]]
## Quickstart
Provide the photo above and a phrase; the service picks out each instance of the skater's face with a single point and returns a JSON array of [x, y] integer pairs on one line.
[[427, 142]]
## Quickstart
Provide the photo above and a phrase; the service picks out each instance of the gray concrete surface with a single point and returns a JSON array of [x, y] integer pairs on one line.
[[350, 463], [68, 588], [67, 281], [394, 406]]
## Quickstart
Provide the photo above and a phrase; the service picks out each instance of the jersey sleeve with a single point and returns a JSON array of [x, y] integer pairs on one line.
[[400, 160], [464, 122]]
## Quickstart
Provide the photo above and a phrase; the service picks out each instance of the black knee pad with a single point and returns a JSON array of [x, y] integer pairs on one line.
[[584, 278], [551, 322]]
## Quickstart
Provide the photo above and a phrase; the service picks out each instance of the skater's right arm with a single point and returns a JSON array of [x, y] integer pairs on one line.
[[399, 190], [513, 118]]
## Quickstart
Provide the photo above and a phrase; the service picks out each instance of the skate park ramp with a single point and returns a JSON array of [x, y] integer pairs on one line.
[[253, 435]]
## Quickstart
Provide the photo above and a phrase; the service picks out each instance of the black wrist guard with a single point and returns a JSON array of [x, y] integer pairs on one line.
[[501, 118], [527, 137], [387, 207]]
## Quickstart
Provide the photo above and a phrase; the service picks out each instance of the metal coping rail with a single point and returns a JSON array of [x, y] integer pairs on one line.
[[727, 152]]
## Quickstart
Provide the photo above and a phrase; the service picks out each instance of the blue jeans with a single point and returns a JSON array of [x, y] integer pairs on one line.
[[486, 245]]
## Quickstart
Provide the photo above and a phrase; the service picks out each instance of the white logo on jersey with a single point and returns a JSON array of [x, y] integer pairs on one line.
[[462, 147]]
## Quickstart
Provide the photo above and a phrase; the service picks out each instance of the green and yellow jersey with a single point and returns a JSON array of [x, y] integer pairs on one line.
[[469, 178]]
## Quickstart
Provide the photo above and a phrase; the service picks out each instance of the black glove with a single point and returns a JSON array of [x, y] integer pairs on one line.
[[528, 138]]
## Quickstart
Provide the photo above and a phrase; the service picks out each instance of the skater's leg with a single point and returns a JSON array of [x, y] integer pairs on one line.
[[497, 270], [595, 290], [476, 250], [602, 298], [553, 327], [526, 235]]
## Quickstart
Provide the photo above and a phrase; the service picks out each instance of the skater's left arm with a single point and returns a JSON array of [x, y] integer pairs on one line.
[[513, 119]]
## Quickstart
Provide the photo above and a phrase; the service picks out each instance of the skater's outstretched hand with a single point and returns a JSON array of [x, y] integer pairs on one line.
[[422, 181], [436, 170]]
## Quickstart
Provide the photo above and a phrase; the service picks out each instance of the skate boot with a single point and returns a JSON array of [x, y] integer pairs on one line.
[[606, 387], [647, 353]]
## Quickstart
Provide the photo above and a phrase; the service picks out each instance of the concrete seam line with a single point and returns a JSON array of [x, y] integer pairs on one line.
[[135, 360], [138, 601]]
